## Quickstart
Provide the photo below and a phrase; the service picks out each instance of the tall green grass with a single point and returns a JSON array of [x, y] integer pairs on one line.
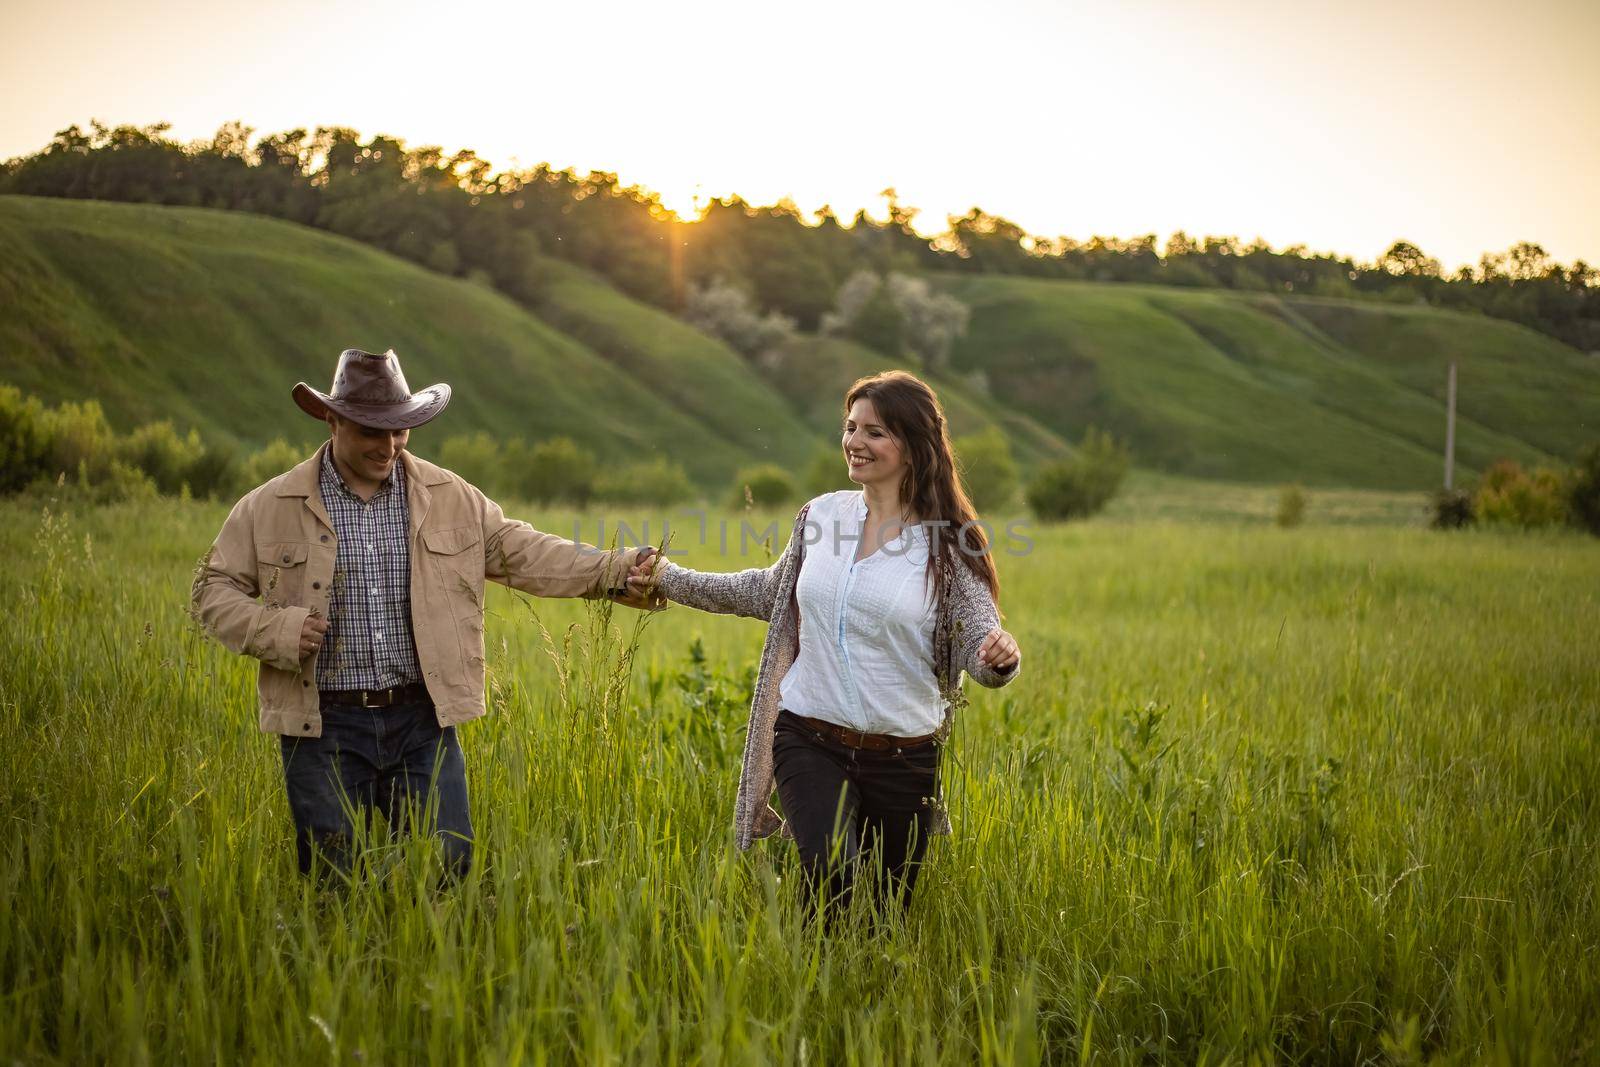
[[1318, 795]]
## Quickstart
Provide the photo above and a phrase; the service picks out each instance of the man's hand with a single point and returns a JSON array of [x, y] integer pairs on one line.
[[311, 634], [999, 650], [641, 582]]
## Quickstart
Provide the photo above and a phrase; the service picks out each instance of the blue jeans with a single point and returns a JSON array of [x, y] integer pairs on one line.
[[396, 760]]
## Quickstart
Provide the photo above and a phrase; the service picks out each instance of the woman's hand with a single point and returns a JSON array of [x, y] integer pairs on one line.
[[999, 650], [643, 576]]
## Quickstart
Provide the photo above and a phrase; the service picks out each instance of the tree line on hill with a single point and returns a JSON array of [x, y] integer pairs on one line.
[[453, 214]]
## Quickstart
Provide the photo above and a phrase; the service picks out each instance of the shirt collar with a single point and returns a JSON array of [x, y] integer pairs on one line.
[[330, 474], [915, 530]]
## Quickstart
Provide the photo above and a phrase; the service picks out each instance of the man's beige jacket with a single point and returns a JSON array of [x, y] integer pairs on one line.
[[273, 564]]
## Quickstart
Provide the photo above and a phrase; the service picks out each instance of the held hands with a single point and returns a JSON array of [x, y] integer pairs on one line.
[[312, 631], [999, 650], [641, 589]]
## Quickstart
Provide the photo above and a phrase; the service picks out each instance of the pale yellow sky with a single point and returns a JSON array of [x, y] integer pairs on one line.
[[1462, 126]]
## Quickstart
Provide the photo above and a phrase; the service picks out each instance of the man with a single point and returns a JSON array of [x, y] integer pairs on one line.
[[369, 565]]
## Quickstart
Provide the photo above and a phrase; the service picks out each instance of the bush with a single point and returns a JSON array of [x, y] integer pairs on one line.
[[854, 294], [216, 474], [988, 472], [726, 313], [765, 486], [898, 316], [1452, 509], [1509, 495], [559, 470], [24, 440], [271, 461], [656, 481], [73, 446], [1291, 506], [81, 442], [156, 449], [492, 465], [879, 325], [931, 321], [826, 473], [115, 482], [120, 482], [1082, 485], [1583, 491]]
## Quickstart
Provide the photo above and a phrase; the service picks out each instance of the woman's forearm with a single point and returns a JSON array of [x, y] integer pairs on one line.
[[748, 593], [975, 618]]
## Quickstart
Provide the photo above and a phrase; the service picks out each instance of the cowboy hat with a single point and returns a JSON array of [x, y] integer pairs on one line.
[[369, 389]]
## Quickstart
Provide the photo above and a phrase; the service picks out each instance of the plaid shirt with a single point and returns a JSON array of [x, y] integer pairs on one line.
[[369, 644]]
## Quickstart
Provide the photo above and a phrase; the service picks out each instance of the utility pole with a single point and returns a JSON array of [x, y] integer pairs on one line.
[[1450, 431]]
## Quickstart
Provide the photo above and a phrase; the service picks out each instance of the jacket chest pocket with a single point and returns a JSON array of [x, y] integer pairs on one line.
[[281, 572], [456, 556]]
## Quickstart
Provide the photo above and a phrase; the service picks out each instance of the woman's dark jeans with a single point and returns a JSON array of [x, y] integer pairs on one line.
[[848, 807], [396, 760]]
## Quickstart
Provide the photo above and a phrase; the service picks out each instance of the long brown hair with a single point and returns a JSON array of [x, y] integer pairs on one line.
[[931, 489]]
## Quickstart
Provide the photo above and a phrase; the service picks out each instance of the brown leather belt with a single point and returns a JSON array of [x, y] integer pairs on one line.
[[857, 739], [414, 693]]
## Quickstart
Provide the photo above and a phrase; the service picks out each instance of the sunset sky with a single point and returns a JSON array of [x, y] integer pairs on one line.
[[1462, 127]]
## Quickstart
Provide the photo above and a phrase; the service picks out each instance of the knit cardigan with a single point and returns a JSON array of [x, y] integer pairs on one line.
[[966, 615]]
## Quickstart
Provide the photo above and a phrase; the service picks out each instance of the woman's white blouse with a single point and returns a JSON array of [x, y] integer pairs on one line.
[[866, 628]]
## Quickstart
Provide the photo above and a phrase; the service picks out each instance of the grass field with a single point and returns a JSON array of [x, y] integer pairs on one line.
[[1319, 795]]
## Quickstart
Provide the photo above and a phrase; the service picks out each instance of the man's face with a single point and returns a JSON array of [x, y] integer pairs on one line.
[[367, 452]]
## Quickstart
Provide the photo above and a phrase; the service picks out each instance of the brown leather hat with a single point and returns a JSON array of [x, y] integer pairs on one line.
[[369, 389]]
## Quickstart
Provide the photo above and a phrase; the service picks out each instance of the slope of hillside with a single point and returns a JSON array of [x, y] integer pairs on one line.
[[1511, 378], [208, 318], [695, 373], [814, 374], [1261, 388]]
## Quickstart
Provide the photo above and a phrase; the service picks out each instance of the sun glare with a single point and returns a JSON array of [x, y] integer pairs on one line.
[[687, 202]]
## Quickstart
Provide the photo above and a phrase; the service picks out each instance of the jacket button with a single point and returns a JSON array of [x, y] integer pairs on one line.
[[306, 683], [324, 538], [316, 585], [286, 557], [306, 727]]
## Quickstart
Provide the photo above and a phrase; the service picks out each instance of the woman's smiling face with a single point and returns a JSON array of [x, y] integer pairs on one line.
[[873, 455]]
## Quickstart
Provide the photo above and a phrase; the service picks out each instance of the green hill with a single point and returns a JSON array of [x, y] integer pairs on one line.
[[815, 373], [207, 318], [1263, 388]]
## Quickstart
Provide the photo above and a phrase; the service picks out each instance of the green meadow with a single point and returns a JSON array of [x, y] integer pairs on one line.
[[1322, 795]]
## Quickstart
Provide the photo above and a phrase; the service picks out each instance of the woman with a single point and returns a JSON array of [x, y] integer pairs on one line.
[[882, 597]]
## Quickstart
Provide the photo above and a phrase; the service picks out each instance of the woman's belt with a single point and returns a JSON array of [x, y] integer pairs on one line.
[[860, 739]]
